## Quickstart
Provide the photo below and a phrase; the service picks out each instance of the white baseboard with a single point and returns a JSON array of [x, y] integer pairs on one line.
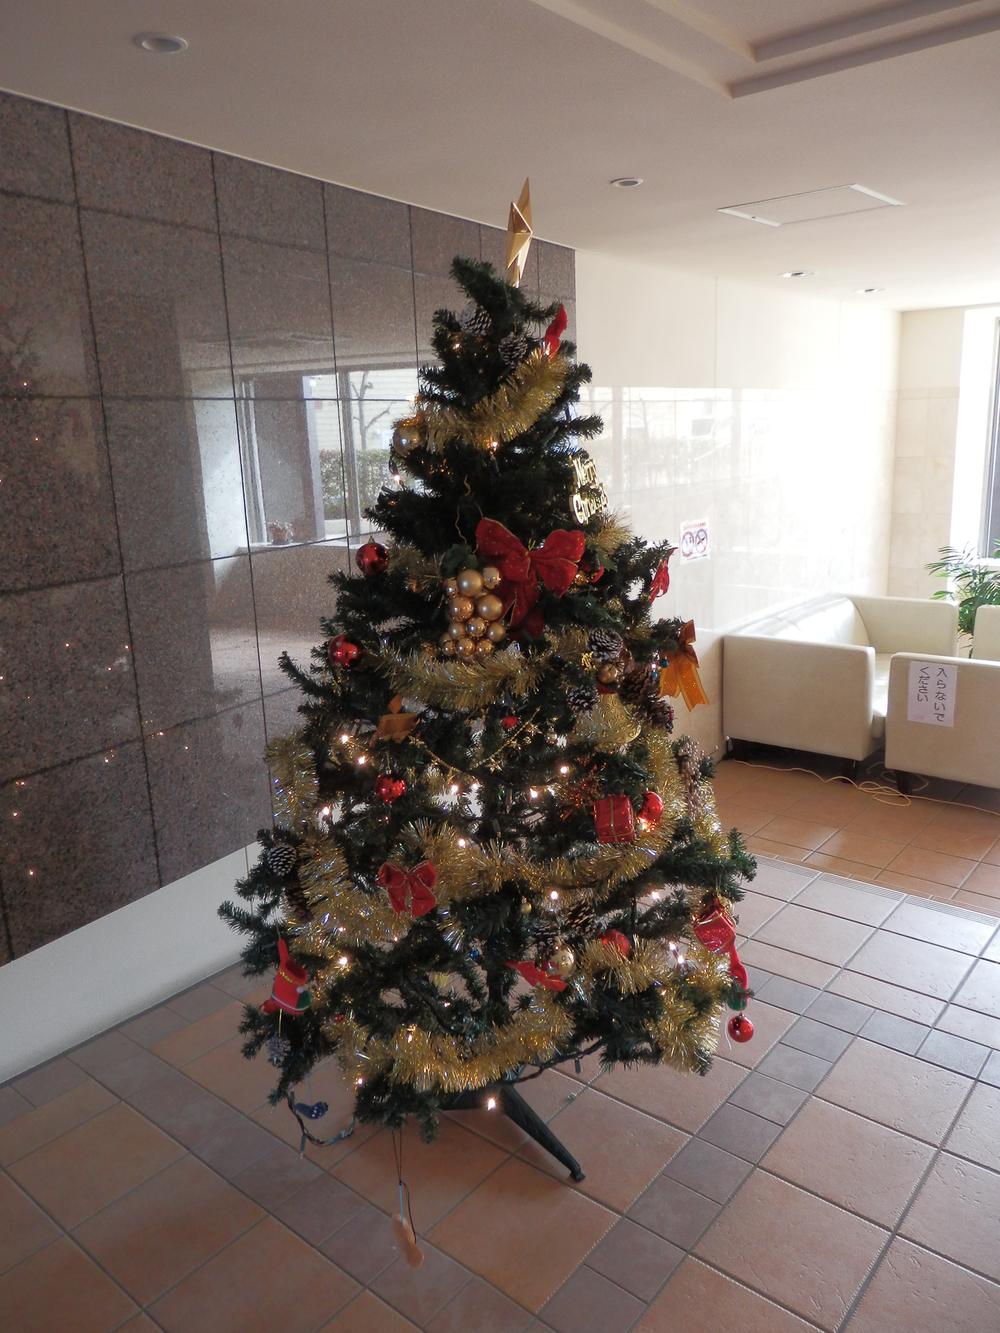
[[106, 972]]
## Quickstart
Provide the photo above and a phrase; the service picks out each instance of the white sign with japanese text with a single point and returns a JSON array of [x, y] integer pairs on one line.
[[933, 687]]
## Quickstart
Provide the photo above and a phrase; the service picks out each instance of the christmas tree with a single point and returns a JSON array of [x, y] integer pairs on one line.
[[490, 855]]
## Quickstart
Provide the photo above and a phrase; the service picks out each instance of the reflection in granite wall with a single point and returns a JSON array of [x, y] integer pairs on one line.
[[200, 362]]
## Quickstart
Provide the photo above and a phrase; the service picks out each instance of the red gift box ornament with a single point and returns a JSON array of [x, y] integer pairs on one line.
[[716, 930], [409, 890], [524, 573], [342, 652], [614, 819], [288, 990]]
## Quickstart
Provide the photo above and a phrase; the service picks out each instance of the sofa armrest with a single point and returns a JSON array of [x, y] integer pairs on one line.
[[801, 695], [909, 624], [967, 751]]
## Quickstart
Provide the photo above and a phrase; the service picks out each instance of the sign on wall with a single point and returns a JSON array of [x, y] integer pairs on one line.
[[931, 697], [694, 540]]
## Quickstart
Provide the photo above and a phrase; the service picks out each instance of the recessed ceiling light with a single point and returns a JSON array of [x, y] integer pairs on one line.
[[160, 43], [626, 182], [798, 273], [869, 291]]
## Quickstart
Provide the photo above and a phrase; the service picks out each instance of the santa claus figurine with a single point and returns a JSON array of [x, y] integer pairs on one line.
[[288, 990]]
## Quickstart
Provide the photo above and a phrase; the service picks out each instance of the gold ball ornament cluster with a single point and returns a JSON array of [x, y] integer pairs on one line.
[[475, 624]]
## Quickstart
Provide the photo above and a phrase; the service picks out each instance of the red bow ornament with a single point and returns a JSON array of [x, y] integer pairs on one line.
[[538, 976], [409, 890], [555, 331], [524, 572], [716, 930]]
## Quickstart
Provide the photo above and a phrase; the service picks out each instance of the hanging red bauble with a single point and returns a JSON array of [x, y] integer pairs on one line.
[[342, 652], [372, 558], [509, 722], [389, 789], [652, 808], [740, 1028], [617, 941]]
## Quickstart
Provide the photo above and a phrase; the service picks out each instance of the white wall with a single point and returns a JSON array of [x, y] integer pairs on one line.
[[82, 983], [771, 414]]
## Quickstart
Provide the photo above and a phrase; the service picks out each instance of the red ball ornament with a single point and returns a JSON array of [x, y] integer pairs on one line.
[[618, 941], [652, 808], [740, 1028], [510, 722], [342, 652], [389, 789], [372, 558]]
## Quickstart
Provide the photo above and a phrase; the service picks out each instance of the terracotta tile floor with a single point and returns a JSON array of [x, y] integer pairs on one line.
[[839, 1171]]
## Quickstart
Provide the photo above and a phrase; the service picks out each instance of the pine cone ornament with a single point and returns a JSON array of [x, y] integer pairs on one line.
[[580, 918], [298, 902], [514, 347], [547, 935], [581, 698], [280, 859], [659, 712], [474, 319], [605, 644], [636, 684], [277, 1049]]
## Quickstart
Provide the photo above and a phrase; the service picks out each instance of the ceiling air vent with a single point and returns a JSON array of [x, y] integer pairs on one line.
[[831, 202]]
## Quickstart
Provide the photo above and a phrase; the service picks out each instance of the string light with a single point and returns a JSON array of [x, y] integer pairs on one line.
[[344, 738], [491, 1103], [564, 769], [533, 793], [554, 895], [343, 960]]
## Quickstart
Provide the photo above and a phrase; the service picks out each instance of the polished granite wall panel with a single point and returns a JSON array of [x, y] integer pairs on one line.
[[55, 481], [175, 523], [280, 322], [68, 682], [121, 170], [46, 343], [34, 150], [178, 484], [209, 787], [158, 307], [365, 226], [80, 844], [194, 636], [268, 204]]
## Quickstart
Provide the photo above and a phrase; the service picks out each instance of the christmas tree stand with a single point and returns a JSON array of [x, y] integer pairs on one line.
[[513, 1105]]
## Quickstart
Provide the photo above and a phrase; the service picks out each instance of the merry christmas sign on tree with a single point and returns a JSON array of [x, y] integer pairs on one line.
[[490, 855]]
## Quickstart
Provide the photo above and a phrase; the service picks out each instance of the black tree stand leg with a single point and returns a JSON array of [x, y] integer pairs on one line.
[[517, 1109]]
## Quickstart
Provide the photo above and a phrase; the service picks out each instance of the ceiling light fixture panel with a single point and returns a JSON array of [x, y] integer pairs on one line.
[[160, 43], [812, 205]]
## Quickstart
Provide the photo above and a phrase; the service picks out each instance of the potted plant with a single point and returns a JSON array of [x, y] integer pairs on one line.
[[972, 582]]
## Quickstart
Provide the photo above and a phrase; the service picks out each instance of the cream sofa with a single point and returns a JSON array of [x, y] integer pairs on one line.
[[814, 676], [967, 749]]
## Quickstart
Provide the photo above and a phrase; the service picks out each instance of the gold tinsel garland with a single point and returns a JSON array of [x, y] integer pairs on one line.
[[530, 390], [467, 686], [294, 784]]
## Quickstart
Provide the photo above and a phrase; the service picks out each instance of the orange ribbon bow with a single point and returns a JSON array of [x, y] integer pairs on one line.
[[680, 674], [409, 890], [524, 571]]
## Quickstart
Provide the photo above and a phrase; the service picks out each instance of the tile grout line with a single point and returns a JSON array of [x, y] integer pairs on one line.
[[120, 576], [905, 1212]]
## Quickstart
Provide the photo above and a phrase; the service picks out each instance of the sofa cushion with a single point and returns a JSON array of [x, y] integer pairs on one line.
[[835, 621], [880, 694]]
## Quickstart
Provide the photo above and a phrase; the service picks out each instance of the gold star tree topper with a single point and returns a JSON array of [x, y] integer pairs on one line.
[[519, 234]]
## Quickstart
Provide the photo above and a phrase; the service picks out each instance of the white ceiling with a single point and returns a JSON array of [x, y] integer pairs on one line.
[[450, 103]]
